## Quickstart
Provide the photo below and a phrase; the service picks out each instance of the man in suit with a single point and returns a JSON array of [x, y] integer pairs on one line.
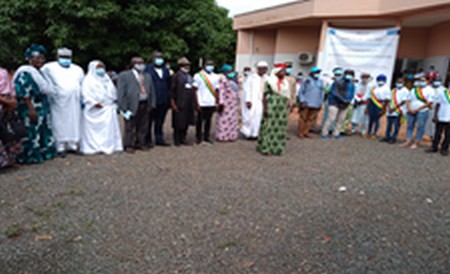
[[136, 99], [161, 79]]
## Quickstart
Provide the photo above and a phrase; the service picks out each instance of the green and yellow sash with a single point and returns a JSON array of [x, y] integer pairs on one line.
[[447, 95], [207, 83], [418, 92], [395, 104]]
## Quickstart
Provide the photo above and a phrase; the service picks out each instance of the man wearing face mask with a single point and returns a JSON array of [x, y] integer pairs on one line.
[[66, 79], [310, 96], [252, 101], [430, 128], [377, 98], [206, 90], [418, 105], [396, 110], [136, 99], [341, 94], [182, 101], [359, 117], [161, 79], [292, 84]]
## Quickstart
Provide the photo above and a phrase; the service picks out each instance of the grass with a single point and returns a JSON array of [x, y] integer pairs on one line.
[[224, 211], [228, 244], [89, 224], [59, 205], [39, 212], [13, 231]]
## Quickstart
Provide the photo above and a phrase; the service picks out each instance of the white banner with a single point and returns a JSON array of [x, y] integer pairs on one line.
[[370, 51]]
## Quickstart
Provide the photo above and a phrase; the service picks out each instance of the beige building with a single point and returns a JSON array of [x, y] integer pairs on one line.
[[285, 32]]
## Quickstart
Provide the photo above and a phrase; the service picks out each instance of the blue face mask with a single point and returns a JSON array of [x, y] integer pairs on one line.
[[316, 76], [349, 77], [159, 62], [399, 86], [65, 62], [231, 75], [381, 83], [288, 70], [422, 84], [209, 68], [410, 76], [100, 72], [437, 84]]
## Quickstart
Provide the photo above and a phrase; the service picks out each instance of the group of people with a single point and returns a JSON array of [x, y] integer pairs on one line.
[[65, 111]]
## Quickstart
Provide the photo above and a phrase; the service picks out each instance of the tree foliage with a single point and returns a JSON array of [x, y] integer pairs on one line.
[[116, 30]]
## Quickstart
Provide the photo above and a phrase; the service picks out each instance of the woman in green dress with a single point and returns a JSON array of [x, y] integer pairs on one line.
[[33, 107], [273, 133]]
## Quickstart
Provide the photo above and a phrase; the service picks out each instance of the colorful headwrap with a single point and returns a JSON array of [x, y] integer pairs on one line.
[[226, 68], [35, 50], [277, 68]]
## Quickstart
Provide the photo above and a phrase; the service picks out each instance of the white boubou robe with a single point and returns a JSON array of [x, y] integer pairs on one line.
[[253, 92], [65, 101], [100, 131]]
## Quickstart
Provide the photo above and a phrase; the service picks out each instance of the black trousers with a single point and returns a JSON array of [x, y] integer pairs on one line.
[[179, 136], [156, 120], [442, 127], [137, 127], [203, 126]]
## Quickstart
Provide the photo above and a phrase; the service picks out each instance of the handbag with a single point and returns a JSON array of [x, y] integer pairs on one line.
[[12, 128]]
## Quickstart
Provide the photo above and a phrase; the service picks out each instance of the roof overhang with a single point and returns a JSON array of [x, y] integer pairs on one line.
[[366, 13]]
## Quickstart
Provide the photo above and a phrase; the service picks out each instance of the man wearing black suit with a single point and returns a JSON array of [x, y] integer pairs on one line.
[[161, 79]]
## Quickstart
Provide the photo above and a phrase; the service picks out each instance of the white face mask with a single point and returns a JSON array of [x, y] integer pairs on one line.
[[139, 67], [186, 69]]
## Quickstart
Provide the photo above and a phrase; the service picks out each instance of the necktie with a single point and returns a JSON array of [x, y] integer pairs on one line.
[[141, 83]]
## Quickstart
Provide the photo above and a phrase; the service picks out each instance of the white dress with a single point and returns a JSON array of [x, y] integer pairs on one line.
[[65, 103], [100, 131], [253, 92]]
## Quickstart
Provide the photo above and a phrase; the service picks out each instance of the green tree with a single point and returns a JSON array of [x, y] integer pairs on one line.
[[116, 30]]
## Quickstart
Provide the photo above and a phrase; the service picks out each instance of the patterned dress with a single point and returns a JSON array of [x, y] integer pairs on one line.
[[40, 145], [227, 123], [273, 133]]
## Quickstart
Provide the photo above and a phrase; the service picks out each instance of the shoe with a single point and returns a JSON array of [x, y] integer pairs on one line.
[[209, 141], [339, 137], [385, 140], [163, 144], [392, 141], [405, 144], [324, 137], [301, 136], [307, 136], [431, 150], [364, 136], [414, 147], [444, 152], [198, 142], [62, 154], [129, 150]]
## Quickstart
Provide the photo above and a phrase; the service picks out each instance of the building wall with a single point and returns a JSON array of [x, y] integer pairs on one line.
[[413, 43], [439, 40]]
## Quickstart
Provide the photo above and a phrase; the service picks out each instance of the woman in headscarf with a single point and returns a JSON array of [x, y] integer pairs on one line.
[[227, 127], [34, 109], [100, 131], [272, 137], [8, 104]]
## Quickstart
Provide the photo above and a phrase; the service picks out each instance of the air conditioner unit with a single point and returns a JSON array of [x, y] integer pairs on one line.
[[306, 58]]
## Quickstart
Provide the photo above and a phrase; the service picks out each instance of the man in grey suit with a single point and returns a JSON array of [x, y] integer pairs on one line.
[[136, 99]]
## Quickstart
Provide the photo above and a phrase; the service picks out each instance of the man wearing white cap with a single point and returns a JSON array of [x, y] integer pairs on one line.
[[252, 109], [65, 104]]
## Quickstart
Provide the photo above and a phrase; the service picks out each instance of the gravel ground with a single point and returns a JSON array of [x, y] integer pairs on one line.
[[227, 209]]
